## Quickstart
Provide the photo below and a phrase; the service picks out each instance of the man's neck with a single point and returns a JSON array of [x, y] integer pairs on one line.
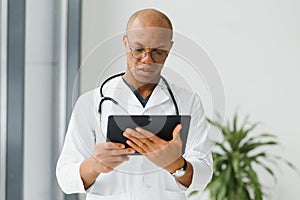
[[144, 89]]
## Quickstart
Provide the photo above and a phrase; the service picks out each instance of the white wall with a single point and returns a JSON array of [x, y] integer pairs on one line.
[[255, 45]]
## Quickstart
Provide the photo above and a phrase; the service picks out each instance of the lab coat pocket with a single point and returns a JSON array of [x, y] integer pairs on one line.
[[175, 195], [122, 196]]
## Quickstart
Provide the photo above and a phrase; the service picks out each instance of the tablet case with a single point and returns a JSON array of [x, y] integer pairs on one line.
[[161, 125]]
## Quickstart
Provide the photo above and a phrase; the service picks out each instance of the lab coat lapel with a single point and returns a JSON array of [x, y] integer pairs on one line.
[[125, 97], [159, 95]]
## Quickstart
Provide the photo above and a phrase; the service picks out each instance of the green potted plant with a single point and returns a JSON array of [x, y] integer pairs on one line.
[[235, 157]]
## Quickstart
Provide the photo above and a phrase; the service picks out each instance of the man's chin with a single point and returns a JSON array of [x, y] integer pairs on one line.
[[147, 79]]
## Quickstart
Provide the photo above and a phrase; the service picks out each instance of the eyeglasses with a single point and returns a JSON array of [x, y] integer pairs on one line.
[[157, 55]]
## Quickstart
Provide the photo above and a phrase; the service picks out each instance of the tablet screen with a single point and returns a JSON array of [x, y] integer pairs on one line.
[[161, 125]]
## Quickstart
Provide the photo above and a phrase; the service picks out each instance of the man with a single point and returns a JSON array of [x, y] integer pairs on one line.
[[90, 164]]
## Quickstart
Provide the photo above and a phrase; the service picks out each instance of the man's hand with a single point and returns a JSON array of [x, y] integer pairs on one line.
[[110, 155], [106, 157], [162, 153]]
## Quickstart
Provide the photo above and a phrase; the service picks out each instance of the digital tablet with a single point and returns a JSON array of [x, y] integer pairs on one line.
[[161, 125]]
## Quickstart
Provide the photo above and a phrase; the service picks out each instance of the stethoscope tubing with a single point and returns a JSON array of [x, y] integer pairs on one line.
[[104, 98]]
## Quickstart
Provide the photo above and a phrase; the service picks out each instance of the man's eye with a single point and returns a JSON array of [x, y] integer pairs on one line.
[[139, 50], [159, 52]]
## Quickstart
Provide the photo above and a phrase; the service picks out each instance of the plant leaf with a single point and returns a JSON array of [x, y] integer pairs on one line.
[[235, 122], [248, 147]]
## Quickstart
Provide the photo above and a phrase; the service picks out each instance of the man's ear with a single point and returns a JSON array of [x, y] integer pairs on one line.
[[124, 38], [172, 42]]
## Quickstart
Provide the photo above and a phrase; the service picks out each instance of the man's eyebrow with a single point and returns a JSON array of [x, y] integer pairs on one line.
[[158, 47], [139, 44], [161, 47]]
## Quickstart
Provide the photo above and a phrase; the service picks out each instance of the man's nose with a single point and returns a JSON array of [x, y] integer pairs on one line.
[[148, 58]]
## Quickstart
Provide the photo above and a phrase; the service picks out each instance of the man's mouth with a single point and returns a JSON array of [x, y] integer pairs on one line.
[[145, 71]]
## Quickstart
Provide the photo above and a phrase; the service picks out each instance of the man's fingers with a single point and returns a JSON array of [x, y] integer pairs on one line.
[[111, 159], [113, 145], [136, 147], [111, 149], [141, 142], [176, 131], [142, 134], [151, 136], [117, 152], [134, 133], [118, 159]]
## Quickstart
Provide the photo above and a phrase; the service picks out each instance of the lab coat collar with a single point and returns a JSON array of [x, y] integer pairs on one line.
[[125, 97], [159, 95]]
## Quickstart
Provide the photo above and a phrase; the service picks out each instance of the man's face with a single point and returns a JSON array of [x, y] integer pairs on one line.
[[147, 50]]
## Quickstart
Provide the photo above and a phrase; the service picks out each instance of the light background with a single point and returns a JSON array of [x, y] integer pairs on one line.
[[255, 46]]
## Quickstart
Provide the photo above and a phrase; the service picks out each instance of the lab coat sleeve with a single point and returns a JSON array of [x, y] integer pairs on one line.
[[198, 150], [77, 147]]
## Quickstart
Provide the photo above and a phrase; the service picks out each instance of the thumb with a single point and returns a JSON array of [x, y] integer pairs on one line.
[[176, 131]]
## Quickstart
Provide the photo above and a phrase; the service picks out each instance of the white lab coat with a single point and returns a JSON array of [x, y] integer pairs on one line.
[[138, 178]]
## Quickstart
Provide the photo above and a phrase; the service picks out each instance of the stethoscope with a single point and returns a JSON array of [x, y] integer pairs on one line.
[[104, 98]]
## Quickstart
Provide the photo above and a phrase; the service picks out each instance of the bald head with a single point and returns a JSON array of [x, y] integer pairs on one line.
[[148, 18], [147, 42]]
